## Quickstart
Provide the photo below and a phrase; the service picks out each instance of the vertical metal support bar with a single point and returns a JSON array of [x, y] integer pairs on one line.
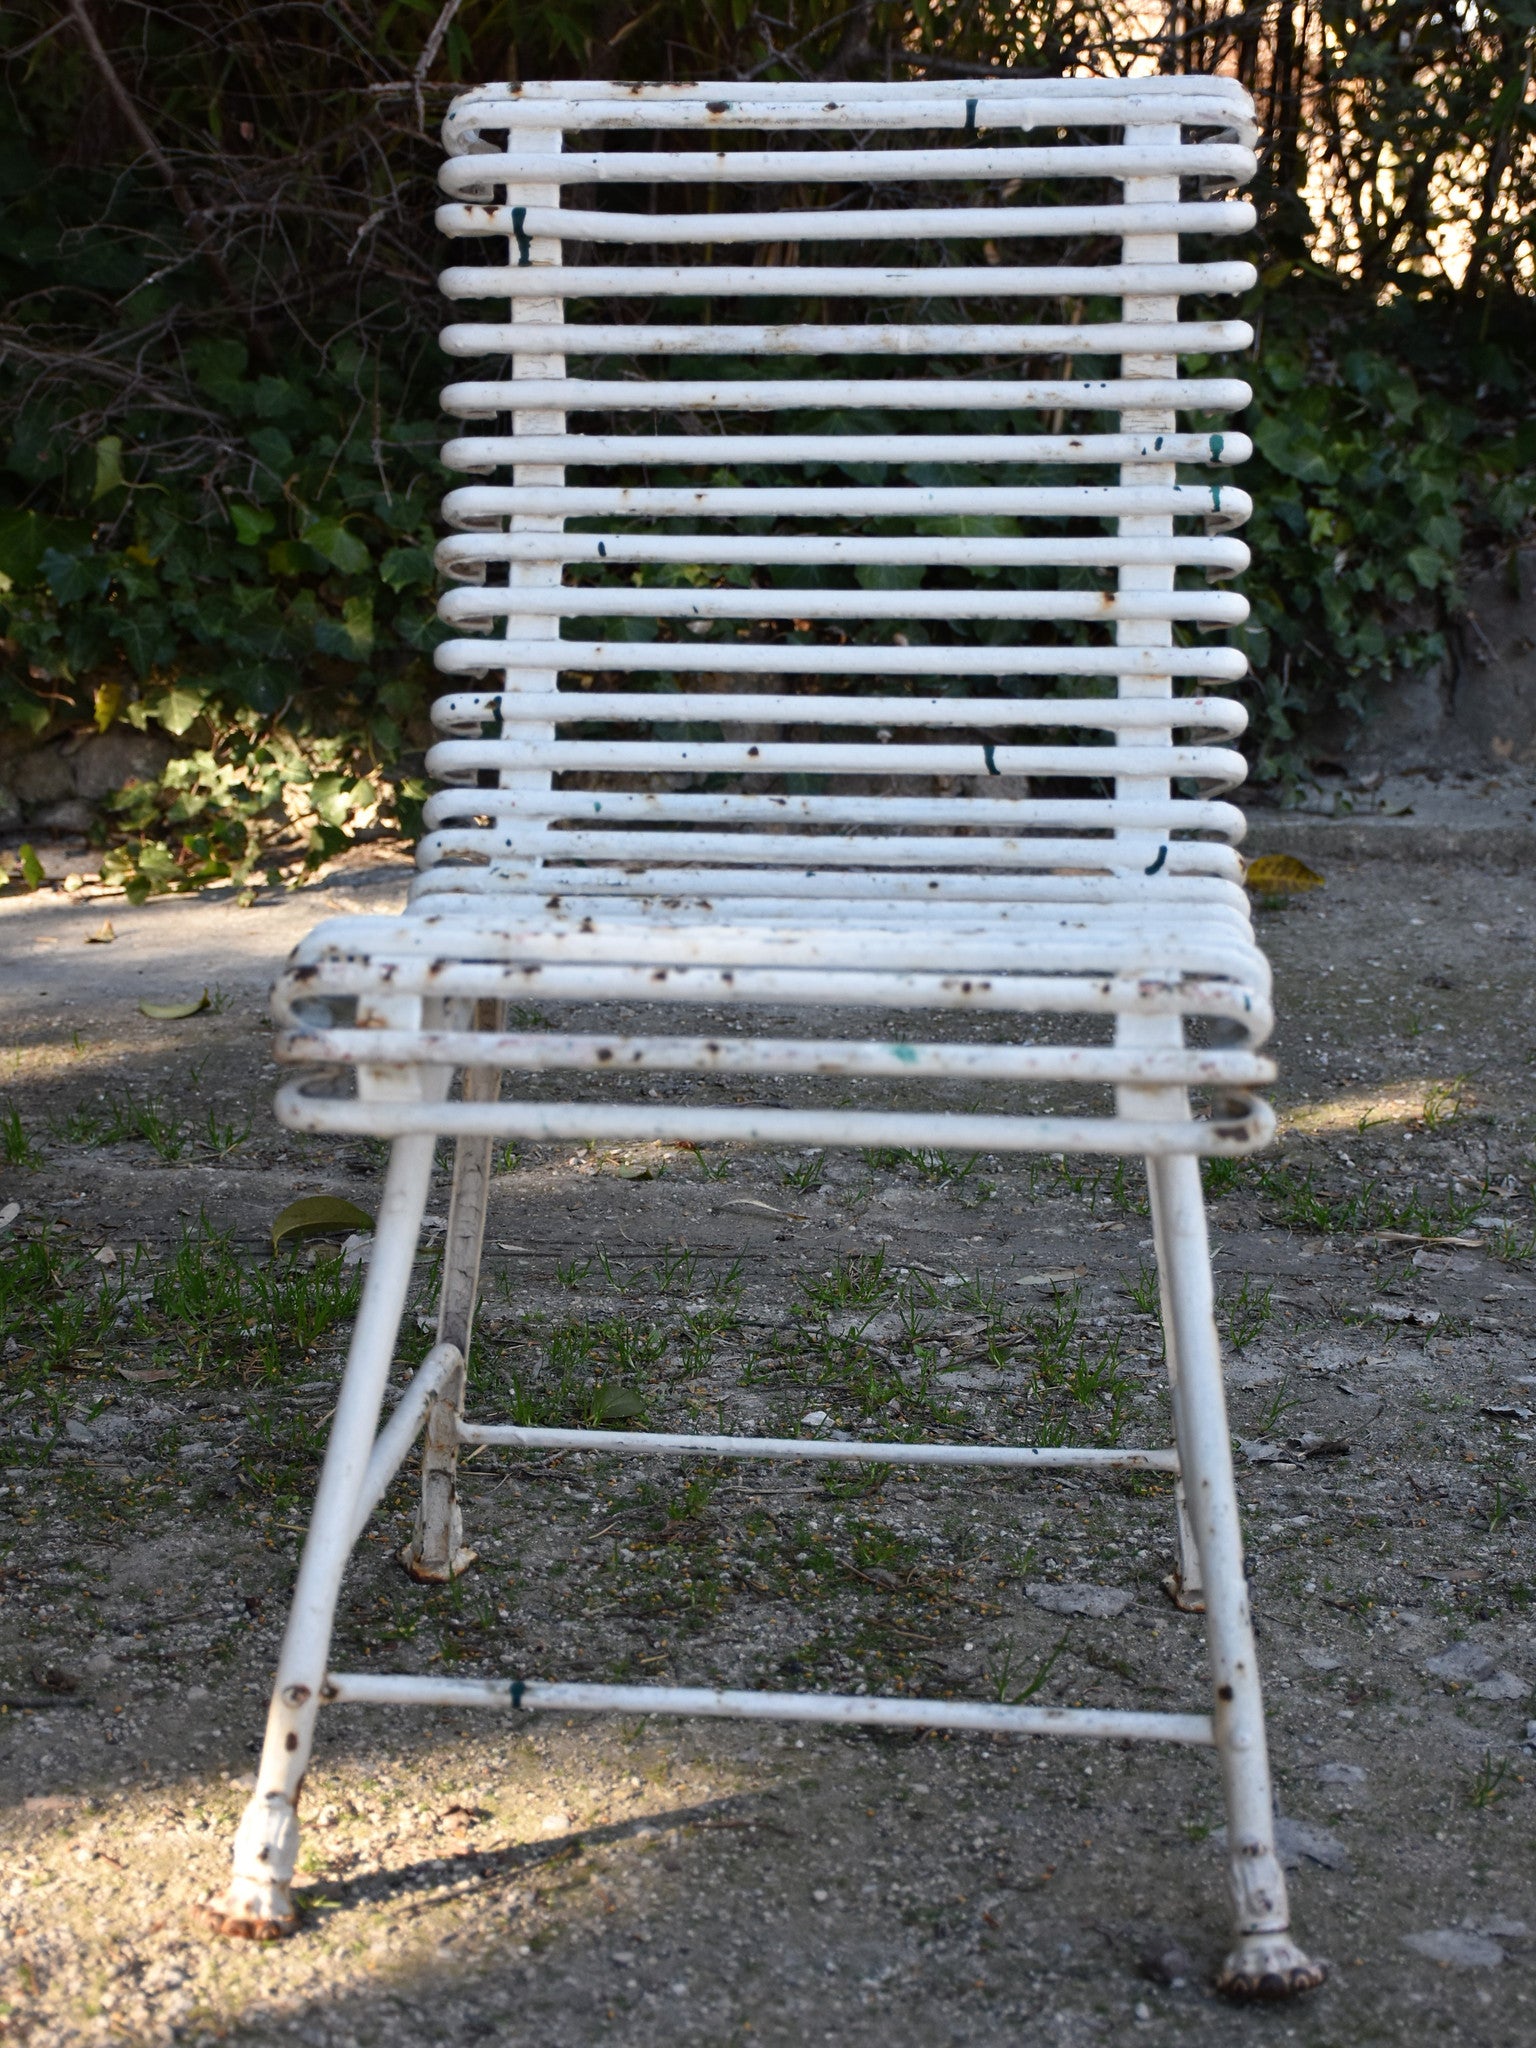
[[1143, 851], [1264, 1962], [534, 250], [258, 1904], [437, 1552]]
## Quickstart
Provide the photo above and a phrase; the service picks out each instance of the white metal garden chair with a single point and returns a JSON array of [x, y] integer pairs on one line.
[[579, 850]]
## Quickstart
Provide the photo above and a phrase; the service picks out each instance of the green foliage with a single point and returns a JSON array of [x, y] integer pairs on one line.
[[217, 367]]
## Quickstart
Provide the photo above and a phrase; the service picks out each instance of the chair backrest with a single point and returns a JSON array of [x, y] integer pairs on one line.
[[866, 595]]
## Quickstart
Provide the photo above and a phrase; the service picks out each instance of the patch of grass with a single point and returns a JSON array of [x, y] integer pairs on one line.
[[1221, 1176], [16, 1143], [1490, 1782], [858, 1280], [1247, 1312], [808, 1173], [1305, 1204], [224, 1137], [1143, 1290], [674, 1271], [1277, 1407]]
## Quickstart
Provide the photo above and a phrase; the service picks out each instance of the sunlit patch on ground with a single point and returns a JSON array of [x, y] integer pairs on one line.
[[1415, 1099]]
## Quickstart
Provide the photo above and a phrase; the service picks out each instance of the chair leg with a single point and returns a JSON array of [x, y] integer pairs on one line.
[[437, 1552], [1265, 1962], [1183, 1585], [258, 1905]]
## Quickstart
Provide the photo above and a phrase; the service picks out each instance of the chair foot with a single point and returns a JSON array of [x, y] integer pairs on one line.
[[227, 1916], [437, 1571], [1190, 1602], [1268, 1966], [258, 1905]]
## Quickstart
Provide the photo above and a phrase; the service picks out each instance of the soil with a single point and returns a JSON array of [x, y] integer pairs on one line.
[[558, 1882]]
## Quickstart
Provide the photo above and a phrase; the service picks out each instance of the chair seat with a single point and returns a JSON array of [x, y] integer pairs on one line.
[[1116, 979]]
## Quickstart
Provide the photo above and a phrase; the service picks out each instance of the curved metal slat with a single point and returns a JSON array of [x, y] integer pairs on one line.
[[480, 176], [452, 758], [828, 850], [482, 502], [542, 1052], [640, 707], [486, 399], [876, 338], [486, 452], [721, 657], [464, 553], [1245, 1129], [867, 224], [463, 608], [840, 281]]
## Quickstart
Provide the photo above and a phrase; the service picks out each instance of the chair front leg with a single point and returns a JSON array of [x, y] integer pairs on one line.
[[258, 1904], [1183, 1585], [1265, 1962], [437, 1552]]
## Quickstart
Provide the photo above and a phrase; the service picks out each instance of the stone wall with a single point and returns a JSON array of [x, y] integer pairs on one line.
[[1477, 710]]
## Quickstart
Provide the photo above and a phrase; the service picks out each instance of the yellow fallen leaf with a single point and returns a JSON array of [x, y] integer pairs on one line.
[[170, 1011], [1281, 874], [318, 1216], [103, 934]]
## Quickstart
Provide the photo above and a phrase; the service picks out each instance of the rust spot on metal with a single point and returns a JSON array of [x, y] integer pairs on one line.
[[1224, 1692], [292, 1741], [296, 1695]]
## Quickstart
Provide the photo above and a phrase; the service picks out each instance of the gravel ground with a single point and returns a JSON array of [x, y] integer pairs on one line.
[[167, 1386]]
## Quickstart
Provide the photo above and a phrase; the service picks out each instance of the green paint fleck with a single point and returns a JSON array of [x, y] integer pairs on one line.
[[1218, 442], [908, 1053]]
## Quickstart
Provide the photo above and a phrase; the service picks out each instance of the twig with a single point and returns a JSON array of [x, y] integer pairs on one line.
[[128, 107], [428, 58]]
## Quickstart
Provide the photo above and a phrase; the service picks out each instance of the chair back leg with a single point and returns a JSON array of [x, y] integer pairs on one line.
[[1264, 1961], [437, 1551], [258, 1903]]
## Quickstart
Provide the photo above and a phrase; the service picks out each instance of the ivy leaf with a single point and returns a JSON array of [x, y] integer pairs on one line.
[[318, 1216], [71, 577], [109, 466], [173, 1012], [403, 567], [350, 636], [614, 1404], [179, 707], [252, 523], [341, 548]]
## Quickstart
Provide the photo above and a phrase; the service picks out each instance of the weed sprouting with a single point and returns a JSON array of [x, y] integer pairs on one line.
[[1494, 1777], [572, 1272], [1001, 1680], [221, 1137], [674, 1270], [857, 1281], [1277, 1407], [1220, 1176], [1146, 1298], [1247, 1312], [808, 1173], [1444, 1101], [15, 1141]]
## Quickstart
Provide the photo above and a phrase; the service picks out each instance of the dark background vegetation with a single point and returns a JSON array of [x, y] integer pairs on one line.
[[218, 367]]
